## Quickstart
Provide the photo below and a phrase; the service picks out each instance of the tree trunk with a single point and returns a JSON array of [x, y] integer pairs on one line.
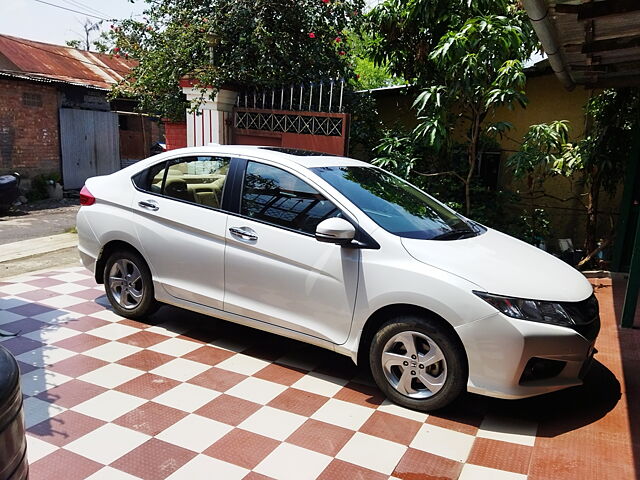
[[473, 155], [591, 228]]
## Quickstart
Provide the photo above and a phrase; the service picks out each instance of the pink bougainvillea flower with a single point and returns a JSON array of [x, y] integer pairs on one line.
[[116, 49], [342, 52], [325, 1], [312, 35], [338, 39]]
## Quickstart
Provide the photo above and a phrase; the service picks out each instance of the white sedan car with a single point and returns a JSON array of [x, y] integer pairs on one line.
[[338, 253]]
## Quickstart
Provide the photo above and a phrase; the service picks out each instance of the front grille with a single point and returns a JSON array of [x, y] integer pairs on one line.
[[586, 316]]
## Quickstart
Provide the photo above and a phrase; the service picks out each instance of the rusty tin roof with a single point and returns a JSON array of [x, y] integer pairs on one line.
[[64, 64]]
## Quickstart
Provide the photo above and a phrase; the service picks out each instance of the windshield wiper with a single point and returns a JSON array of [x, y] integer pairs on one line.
[[455, 234]]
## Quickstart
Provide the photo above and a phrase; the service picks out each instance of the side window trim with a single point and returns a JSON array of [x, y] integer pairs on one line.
[[232, 195]]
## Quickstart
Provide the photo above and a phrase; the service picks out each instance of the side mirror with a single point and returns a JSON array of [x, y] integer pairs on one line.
[[335, 230]]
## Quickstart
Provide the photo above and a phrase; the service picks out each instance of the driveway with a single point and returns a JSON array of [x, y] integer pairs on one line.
[[182, 396], [40, 219]]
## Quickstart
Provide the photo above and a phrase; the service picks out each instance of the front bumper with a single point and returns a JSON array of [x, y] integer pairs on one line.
[[500, 348]]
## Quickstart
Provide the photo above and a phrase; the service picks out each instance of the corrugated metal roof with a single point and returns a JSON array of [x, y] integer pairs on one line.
[[64, 64]]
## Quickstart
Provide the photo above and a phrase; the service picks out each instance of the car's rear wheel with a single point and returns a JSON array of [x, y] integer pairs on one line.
[[128, 285], [417, 363]]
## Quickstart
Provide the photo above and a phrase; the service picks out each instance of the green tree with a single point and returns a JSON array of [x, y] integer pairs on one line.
[[597, 161], [250, 43], [480, 68]]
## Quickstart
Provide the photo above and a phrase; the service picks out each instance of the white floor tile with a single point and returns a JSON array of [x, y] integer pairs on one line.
[[36, 411], [72, 276], [186, 397], [175, 346], [231, 344], [195, 433], [37, 449], [109, 405], [320, 384], [170, 328], [16, 289], [112, 351], [51, 334], [110, 376], [107, 443], [243, 364], [394, 409], [40, 380], [475, 472], [203, 467], [273, 423], [45, 356], [372, 452], [290, 462], [113, 331], [256, 390], [107, 315], [443, 442], [343, 414], [108, 473], [66, 288], [299, 359], [507, 429], [180, 369], [61, 301]]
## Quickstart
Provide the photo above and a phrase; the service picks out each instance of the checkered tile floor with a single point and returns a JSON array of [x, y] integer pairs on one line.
[[183, 396]]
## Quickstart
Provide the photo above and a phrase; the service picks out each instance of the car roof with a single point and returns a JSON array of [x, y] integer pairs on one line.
[[303, 158]]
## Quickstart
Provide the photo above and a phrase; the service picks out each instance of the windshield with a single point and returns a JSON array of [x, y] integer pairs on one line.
[[395, 205]]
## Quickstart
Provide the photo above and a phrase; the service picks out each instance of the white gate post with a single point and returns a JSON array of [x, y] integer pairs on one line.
[[209, 124]]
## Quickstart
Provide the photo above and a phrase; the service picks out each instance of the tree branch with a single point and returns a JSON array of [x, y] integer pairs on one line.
[[450, 172]]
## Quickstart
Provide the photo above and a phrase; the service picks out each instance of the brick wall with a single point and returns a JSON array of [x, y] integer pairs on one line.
[[29, 128]]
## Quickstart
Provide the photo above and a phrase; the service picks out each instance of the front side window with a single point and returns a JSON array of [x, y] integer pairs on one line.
[[198, 180], [396, 205], [272, 195]]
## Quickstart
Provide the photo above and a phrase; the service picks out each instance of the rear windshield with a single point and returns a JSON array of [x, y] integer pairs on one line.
[[396, 205]]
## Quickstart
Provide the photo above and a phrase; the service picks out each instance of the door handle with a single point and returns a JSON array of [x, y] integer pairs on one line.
[[244, 232], [149, 205]]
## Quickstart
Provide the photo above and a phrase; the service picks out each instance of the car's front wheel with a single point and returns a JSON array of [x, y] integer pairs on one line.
[[128, 285], [417, 363]]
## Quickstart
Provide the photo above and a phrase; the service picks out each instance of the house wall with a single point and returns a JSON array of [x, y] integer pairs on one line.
[[29, 134]]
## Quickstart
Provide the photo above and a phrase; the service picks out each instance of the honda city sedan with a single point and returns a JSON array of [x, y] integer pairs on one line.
[[344, 255]]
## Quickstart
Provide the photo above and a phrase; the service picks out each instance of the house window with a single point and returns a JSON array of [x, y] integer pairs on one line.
[[31, 99]]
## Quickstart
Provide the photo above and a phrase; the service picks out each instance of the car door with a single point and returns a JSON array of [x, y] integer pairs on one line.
[[275, 269], [181, 227]]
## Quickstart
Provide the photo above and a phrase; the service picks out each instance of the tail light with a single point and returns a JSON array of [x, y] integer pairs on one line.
[[86, 198]]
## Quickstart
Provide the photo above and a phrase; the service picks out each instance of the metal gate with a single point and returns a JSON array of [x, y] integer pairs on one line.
[[90, 145], [309, 116]]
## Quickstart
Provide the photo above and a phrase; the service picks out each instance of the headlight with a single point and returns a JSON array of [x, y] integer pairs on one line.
[[534, 310]]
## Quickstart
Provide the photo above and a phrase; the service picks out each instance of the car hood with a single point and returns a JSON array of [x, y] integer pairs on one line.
[[503, 265]]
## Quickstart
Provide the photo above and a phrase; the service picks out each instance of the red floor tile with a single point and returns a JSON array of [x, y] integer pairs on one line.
[[280, 374], [78, 365], [154, 460], [228, 409], [84, 324], [321, 437], [339, 470], [25, 325], [71, 393], [63, 464], [298, 401], [242, 448], [208, 355], [31, 309], [18, 345], [361, 394], [81, 342], [419, 465], [147, 386], [391, 427], [501, 455], [217, 379], [145, 360], [150, 418], [64, 428], [143, 339]]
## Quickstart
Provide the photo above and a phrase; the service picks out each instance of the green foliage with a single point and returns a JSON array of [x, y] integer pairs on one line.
[[405, 33], [367, 74], [38, 186], [73, 43], [255, 43]]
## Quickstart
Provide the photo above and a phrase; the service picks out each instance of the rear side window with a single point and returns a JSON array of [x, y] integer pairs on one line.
[[272, 195], [198, 180]]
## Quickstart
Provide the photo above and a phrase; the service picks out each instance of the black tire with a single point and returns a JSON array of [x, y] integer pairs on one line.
[[126, 302], [405, 387]]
